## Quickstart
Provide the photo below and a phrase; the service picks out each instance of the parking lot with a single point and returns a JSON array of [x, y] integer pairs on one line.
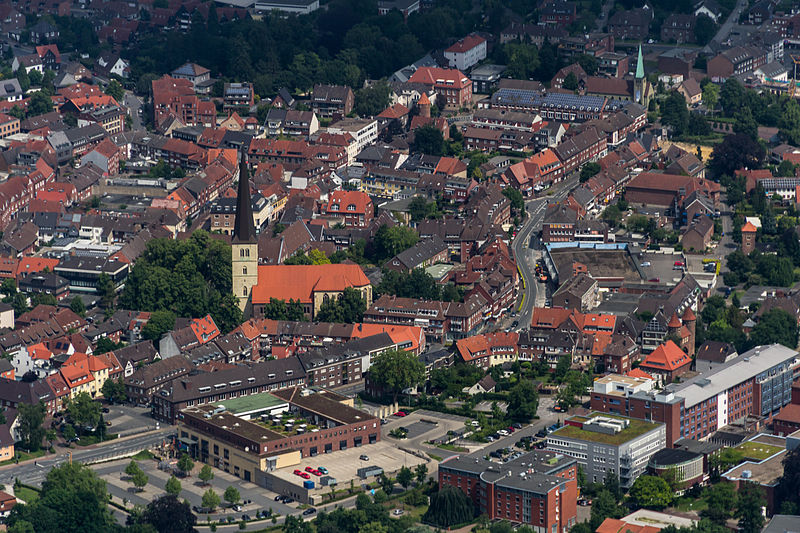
[[192, 489], [129, 420], [343, 465]]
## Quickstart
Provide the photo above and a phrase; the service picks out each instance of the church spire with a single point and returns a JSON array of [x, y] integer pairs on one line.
[[640, 64], [244, 231]]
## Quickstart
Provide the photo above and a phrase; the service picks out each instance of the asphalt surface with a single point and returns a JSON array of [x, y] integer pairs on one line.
[[133, 104], [727, 26], [33, 473], [526, 257]]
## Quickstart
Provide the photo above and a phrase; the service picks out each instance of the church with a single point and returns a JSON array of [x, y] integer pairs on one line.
[[255, 285]]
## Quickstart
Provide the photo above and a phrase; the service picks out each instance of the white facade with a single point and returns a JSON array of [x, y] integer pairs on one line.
[[464, 59], [364, 131]]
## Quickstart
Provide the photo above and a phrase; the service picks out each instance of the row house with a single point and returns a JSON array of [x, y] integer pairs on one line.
[[453, 89], [535, 173], [589, 145], [489, 349], [737, 60], [291, 122], [464, 237], [492, 140], [175, 97]]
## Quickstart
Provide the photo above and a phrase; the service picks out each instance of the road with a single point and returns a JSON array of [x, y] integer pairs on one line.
[[603, 18], [525, 257], [727, 26], [34, 473], [133, 104]]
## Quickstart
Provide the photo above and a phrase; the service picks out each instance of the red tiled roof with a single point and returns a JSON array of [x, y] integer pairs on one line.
[[638, 373], [667, 357], [440, 77], [285, 282], [467, 43]]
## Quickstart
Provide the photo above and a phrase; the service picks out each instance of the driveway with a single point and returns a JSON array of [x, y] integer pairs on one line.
[[133, 104], [129, 420]]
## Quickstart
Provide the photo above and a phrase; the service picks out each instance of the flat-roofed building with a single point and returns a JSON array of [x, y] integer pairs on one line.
[[605, 443]]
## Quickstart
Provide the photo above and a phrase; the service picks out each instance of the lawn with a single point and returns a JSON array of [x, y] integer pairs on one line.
[[686, 504], [143, 455], [24, 456], [757, 451], [88, 440], [434, 456], [451, 447], [27, 495]]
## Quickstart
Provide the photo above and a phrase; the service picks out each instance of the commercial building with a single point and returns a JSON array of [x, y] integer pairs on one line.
[[689, 467], [248, 446], [539, 489], [466, 52], [605, 444], [756, 383]]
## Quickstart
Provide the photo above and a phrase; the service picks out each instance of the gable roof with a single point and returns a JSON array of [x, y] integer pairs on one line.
[[666, 357], [286, 282]]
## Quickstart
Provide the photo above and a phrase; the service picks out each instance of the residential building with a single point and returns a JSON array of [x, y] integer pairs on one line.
[[354, 207], [406, 7], [668, 361], [240, 381], [238, 95], [299, 7], [489, 349], [737, 60], [633, 24], [423, 254], [363, 131], [196, 74], [146, 381], [332, 101], [558, 224], [679, 28], [538, 489], [466, 52], [453, 89]]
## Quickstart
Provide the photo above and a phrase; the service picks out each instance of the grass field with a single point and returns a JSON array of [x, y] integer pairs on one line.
[[27, 495], [757, 451]]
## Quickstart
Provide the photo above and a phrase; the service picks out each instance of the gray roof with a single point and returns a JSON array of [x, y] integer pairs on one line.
[[751, 363], [783, 523], [420, 252]]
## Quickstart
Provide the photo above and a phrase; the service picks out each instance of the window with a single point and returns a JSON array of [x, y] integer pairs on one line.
[[244, 271]]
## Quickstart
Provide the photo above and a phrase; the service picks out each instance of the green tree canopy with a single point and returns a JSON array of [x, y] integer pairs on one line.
[[651, 492], [749, 507], [159, 323], [191, 278], [232, 495], [429, 140], [396, 370], [348, 308], [370, 101], [84, 412], [206, 474], [448, 507], [523, 400], [775, 326], [73, 500], [173, 486], [211, 499], [31, 431], [168, 514]]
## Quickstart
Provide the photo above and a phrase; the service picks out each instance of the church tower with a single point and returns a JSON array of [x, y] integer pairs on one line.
[[244, 244], [640, 85]]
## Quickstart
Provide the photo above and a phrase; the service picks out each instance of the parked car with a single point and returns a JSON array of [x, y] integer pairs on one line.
[[245, 517], [400, 413], [503, 432], [322, 469], [304, 475], [309, 511], [364, 457], [397, 512], [516, 425]]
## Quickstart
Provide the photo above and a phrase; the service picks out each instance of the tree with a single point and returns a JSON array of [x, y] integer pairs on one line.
[[68, 432], [604, 506], [72, 500], [39, 104], [419, 209], [168, 514], [448, 507], [132, 468], [785, 169], [788, 489], [611, 484], [31, 418], [386, 483], [522, 60], [206, 474], [396, 370], [721, 498], [389, 242], [84, 412], [50, 434], [104, 344], [589, 63], [139, 479], [370, 101], [732, 96], [674, 112], [232, 495], [185, 464], [588, 170], [776, 325], [420, 473], [428, 140], [404, 477], [749, 508], [106, 290], [76, 304], [704, 29], [159, 323], [711, 95], [210, 499], [562, 367], [348, 308], [173, 486], [115, 90], [523, 401], [570, 82], [735, 152], [651, 492], [114, 391], [516, 199]]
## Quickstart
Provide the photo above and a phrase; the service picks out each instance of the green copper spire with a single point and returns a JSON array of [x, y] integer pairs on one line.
[[640, 65]]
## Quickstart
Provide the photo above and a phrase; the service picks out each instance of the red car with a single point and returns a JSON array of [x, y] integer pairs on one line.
[[304, 475], [298, 472], [309, 469], [400, 413]]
